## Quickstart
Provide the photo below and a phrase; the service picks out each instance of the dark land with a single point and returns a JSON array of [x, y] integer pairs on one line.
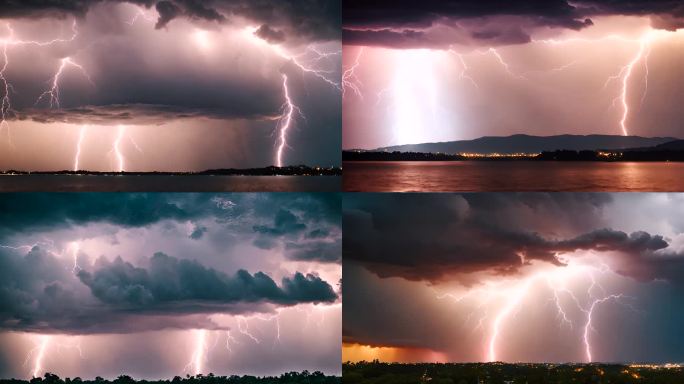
[[669, 151], [533, 144], [270, 179], [504, 373], [295, 170], [285, 378]]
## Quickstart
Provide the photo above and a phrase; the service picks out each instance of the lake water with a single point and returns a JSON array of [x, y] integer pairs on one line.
[[166, 183], [404, 176]]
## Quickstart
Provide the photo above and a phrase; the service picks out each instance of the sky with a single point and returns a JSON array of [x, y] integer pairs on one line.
[[530, 277], [159, 285], [433, 70], [176, 85]]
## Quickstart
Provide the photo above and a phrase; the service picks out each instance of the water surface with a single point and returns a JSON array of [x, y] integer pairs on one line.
[[447, 176], [168, 183]]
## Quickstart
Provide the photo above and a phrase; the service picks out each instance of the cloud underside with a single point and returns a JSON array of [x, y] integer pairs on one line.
[[38, 294], [139, 114], [42, 289], [434, 237], [308, 20], [434, 23]]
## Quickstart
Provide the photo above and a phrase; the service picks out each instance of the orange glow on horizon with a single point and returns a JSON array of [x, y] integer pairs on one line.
[[352, 352]]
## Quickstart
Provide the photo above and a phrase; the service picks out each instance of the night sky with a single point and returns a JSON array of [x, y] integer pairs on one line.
[[158, 285], [560, 277], [169, 85], [451, 70]]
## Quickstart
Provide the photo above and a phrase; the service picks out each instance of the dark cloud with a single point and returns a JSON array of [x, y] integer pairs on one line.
[[198, 232], [284, 223], [170, 280], [403, 23], [269, 34], [432, 237], [38, 293], [321, 251], [21, 211], [310, 20]]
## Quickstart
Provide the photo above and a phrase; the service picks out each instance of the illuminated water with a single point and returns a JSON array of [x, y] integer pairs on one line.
[[511, 176], [165, 183]]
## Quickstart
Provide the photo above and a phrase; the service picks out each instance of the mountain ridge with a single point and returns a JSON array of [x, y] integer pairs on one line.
[[522, 143]]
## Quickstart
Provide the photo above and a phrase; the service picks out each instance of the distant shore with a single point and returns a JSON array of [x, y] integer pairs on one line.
[[297, 170], [559, 155]]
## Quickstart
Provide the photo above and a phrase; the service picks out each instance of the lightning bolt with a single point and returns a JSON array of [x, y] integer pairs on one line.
[[644, 50], [196, 364], [306, 62], [6, 109], [79, 143], [39, 352], [53, 93], [245, 329], [116, 148], [285, 121], [555, 280], [350, 80]]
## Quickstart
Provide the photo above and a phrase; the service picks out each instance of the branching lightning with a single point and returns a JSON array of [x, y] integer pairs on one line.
[[507, 297], [52, 94], [350, 80], [308, 62], [6, 109]]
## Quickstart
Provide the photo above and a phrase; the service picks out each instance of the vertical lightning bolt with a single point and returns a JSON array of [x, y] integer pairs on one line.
[[79, 143], [644, 48], [285, 121], [39, 351], [199, 355], [116, 148]]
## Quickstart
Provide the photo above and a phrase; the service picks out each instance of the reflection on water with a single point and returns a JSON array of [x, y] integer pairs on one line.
[[511, 176], [165, 183]]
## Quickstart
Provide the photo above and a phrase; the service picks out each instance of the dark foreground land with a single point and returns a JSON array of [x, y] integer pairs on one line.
[[304, 377], [501, 373], [559, 155]]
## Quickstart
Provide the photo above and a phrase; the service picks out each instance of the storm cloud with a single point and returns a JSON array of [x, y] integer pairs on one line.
[[490, 23], [435, 237]]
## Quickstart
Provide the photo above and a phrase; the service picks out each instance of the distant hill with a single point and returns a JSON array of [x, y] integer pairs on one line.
[[676, 145], [536, 144]]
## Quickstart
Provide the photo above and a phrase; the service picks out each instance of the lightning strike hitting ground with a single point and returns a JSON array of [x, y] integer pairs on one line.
[[116, 148], [508, 298], [196, 364], [79, 144], [39, 352], [285, 121]]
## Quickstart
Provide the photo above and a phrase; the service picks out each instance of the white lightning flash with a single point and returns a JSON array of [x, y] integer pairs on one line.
[[285, 121], [52, 94], [350, 80], [196, 364], [6, 109], [508, 297]]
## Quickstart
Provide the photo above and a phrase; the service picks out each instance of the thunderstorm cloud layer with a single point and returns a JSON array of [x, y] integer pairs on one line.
[[435, 71], [170, 85], [515, 277], [210, 275]]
